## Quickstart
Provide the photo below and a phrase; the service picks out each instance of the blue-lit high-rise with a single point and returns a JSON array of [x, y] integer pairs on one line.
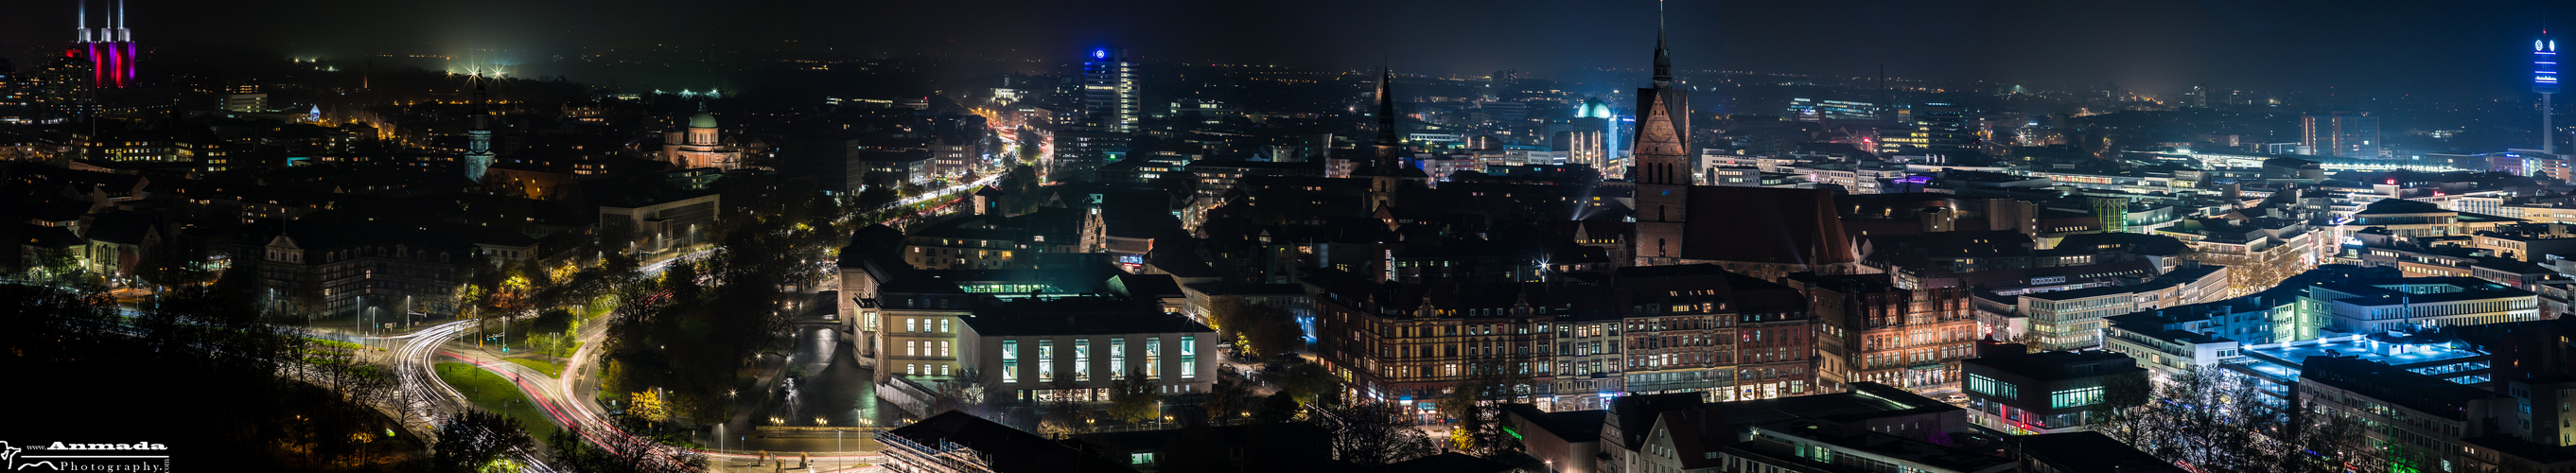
[[2544, 79], [1109, 90]]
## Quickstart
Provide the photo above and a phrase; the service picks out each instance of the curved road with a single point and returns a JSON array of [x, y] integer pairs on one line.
[[430, 399]]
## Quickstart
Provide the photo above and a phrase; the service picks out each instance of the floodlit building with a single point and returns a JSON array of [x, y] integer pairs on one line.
[[700, 146], [2014, 391]]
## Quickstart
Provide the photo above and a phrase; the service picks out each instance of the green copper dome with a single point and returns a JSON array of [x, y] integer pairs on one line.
[[703, 120]]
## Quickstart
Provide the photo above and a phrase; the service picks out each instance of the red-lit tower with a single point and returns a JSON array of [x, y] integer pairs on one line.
[[110, 48]]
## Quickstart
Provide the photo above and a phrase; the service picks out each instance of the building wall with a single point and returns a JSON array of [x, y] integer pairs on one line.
[[2418, 441], [2020, 403], [2353, 317], [919, 340], [2073, 323], [1086, 367], [666, 226], [348, 279]]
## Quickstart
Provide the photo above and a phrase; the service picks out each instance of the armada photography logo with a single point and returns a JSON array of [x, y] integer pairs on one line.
[[59, 456]]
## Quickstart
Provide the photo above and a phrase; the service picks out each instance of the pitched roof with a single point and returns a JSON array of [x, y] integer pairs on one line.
[[1003, 448], [2087, 451], [1078, 316], [1765, 225], [1450, 462]]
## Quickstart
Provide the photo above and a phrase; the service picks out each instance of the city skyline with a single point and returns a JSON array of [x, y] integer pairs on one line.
[[2162, 47], [1003, 236]]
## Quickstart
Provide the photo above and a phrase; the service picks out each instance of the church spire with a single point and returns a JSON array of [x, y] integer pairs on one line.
[[1390, 150], [1386, 107], [1663, 59]]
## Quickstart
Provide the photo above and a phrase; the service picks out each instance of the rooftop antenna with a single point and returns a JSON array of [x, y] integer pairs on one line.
[[84, 21]]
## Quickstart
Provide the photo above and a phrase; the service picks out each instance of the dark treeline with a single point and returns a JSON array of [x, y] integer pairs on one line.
[[200, 374]]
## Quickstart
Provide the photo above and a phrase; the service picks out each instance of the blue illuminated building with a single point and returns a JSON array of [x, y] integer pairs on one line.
[[1109, 97], [2544, 79]]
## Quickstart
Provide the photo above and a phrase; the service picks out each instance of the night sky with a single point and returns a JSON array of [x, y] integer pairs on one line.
[[2462, 49]]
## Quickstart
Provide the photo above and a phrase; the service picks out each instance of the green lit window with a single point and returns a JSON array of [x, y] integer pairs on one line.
[[2075, 397]]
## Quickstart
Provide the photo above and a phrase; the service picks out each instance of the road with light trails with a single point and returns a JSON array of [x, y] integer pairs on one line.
[[432, 399], [428, 399], [563, 399]]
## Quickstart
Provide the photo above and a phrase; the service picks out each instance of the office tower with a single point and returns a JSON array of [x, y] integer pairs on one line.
[[2544, 79], [2343, 134], [478, 141], [110, 49], [1930, 129], [832, 157], [13, 95], [1109, 90], [61, 89]]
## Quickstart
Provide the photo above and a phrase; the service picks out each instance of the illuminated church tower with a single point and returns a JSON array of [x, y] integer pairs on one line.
[[1661, 162], [478, 140]]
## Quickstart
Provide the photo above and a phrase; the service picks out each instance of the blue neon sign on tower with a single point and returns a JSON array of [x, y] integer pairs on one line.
[[1100, 54], [2544, 66]]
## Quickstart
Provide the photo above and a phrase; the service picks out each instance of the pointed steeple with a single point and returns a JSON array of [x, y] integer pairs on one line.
[[1661, 153], [1390, 150], [1386, 107], [1663, 59]]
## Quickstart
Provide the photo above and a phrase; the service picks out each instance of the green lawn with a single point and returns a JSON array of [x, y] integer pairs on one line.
[[551, 369], [495, 394]]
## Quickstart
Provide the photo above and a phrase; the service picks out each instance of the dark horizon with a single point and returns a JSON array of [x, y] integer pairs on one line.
[[2461, 51]]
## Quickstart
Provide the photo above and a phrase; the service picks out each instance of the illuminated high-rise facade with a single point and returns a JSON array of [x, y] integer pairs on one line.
[[1109, 90], [109, 48], [2544, 79], [2340, 134], [60, 90]]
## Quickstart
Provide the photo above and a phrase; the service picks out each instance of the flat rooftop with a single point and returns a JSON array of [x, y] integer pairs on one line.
[[2367, 348]]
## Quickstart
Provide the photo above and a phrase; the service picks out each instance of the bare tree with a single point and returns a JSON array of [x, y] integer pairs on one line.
[[1378, 433]]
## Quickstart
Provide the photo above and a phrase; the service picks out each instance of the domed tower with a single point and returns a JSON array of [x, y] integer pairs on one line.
[[699, 146], [702, 127]]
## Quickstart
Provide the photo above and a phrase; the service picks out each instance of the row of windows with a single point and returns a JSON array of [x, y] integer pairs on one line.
[[1988, 386], [1046, 356], [2075, 397]]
